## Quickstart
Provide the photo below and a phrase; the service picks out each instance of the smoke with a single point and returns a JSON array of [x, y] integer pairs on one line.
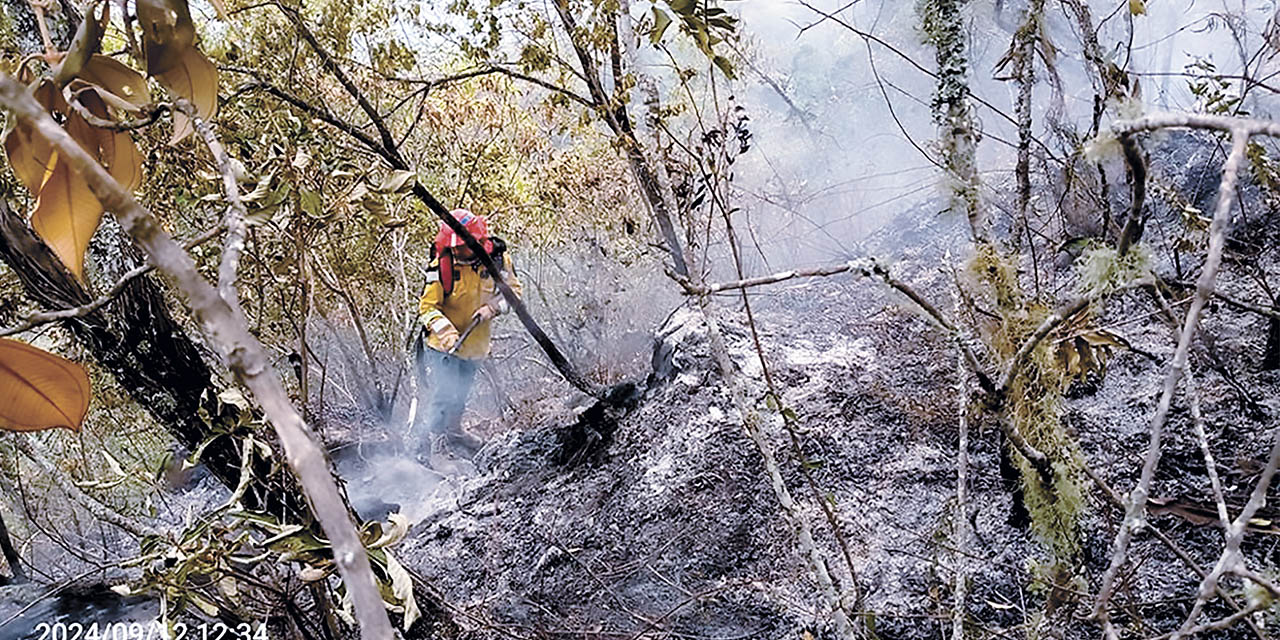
[[815, 185]]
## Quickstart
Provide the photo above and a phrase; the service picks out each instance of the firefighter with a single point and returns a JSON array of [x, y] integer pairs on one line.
[[456, 310]]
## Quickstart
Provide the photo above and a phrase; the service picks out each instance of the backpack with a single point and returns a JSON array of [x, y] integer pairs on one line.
[[443, 270]]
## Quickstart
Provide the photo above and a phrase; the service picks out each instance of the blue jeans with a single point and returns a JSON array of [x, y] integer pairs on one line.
[[448, 383]]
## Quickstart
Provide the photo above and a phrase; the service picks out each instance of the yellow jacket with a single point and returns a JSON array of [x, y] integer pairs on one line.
[[471, 288]]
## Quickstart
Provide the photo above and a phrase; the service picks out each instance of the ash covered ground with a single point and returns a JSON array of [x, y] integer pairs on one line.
[[671, 530]]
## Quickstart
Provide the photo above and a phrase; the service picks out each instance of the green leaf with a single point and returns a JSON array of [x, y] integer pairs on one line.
[[790, 415], [683, 7], [660, 23], [397, 182], [311, 203], [725, 66]]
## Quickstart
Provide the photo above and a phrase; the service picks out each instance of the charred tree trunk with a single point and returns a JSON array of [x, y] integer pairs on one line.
[[136, 339], [1271, 357], [11, 556]]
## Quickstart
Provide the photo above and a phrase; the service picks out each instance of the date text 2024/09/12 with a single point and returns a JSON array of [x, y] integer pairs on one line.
[[154, 630]]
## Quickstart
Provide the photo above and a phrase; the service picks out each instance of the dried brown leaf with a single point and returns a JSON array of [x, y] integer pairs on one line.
[[40, 390], [195, 78]]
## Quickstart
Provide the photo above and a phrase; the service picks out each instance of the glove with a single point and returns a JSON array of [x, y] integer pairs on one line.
[[445, 332], [484, 313]]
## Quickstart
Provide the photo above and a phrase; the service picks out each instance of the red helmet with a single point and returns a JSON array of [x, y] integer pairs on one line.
[[476, 225], [447, 239]]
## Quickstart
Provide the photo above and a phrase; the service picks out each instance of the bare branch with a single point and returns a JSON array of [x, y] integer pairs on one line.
[[243, 353], [234, 220], [1138, 173], [1210, 465], [1046, 327], [1137, 503], [1247, 126], [554, 88], [152, 114], [828, 270], [317, 112], [962, 533]]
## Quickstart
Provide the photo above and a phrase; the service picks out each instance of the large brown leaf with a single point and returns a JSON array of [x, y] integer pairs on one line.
[[167, 32], [196, 79], [66, 215], [114, 76], [39, 390], [115, 149], [29, 155]]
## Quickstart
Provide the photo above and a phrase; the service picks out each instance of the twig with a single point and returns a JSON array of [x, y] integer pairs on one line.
[[879, 271], [828, 270], [234, 220], [380, 125], [152, 112], [1231, 124], [961, 519], [1172, 546], [719, 201], [67, 484], [41, 318], [1270, 312], [1216, 625], [1204, 289], [1211, 466], [1046, 327], [243, 353]]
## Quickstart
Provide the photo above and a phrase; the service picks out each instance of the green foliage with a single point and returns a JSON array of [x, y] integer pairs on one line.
[[1212, 90]]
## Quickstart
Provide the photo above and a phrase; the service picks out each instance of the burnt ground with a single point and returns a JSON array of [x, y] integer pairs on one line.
[[669, 529], [672, 530]]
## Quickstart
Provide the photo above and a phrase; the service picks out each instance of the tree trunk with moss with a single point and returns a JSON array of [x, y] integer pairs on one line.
[[943, 25]]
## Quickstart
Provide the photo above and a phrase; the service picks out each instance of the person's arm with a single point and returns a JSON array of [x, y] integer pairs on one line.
[[432, 317], [497, 304]]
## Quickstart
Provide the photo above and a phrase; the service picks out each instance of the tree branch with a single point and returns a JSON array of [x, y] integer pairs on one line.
[[42, 318], [1204, 290], [1230, 124], [153, 114], [388, 141], [1046, 327], [243, 353], [1138, 174], [234, 220]]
